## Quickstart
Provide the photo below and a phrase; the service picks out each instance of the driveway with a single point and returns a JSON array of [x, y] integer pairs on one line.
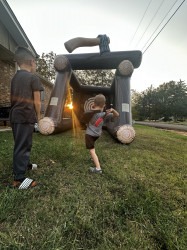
[[164, 125]]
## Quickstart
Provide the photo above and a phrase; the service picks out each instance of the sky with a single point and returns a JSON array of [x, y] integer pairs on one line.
[[130, 25]]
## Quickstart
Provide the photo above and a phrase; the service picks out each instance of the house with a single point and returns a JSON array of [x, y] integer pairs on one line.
[[11, 36]]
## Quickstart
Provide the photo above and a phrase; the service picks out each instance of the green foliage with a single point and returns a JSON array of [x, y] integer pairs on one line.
[[137, 203], [95, 77], [45, 66], [168, 100]]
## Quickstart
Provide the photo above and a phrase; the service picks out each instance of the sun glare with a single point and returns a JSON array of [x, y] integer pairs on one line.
[[70, 105]]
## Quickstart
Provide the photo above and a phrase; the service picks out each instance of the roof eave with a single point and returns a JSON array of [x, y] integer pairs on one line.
[[13, 26]]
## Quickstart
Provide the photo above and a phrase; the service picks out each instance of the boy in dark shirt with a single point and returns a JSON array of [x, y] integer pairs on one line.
[[94, 128], [24, 113]]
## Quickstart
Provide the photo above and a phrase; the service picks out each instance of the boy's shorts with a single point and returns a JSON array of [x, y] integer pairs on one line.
[[90, 141]]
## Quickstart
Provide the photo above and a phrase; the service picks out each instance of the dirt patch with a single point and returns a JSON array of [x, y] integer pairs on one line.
[[178, 132], [5, 128]]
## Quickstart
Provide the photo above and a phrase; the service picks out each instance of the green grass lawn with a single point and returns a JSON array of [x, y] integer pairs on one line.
[[139, 202]]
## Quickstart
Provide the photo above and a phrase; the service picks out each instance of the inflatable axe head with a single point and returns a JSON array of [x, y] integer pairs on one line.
[[101, 40]]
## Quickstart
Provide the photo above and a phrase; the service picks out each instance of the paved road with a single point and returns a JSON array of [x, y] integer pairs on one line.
[[163, 125], [151, 124]]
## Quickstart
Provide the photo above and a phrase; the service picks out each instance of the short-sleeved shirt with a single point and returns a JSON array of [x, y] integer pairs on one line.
[[23, 85], [95, 124]]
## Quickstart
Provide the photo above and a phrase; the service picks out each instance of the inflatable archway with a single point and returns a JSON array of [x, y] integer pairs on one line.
[[67, 87]]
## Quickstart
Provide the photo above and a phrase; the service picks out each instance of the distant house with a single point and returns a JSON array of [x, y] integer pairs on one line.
[[11, 36]]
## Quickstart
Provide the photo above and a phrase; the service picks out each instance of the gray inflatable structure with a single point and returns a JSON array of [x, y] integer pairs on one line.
[[119, 94]]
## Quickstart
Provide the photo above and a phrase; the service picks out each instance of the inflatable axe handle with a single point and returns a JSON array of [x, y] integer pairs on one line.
[[101, 40]]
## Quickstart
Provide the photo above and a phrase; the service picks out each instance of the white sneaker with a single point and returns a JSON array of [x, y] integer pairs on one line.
[[95, 170]]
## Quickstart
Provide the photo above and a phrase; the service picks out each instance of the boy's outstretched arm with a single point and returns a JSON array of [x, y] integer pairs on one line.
[[115, 113], [37, 104]]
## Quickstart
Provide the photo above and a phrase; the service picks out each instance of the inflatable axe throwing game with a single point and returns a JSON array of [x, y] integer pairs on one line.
[[68, 91]]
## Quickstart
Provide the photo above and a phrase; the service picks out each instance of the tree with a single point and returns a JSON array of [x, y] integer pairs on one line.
[[139, 107], [179, 100], [134, 103], [174, 96], [168, 100], [45, 66], [95, 77]]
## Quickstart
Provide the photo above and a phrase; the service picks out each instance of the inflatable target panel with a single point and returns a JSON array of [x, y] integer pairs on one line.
[[88, 105]]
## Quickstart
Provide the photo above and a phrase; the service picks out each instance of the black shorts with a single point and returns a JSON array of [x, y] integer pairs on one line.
[[90, 141]]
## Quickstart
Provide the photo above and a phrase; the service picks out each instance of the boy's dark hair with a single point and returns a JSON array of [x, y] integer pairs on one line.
[[23, 55], [99, 100]]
